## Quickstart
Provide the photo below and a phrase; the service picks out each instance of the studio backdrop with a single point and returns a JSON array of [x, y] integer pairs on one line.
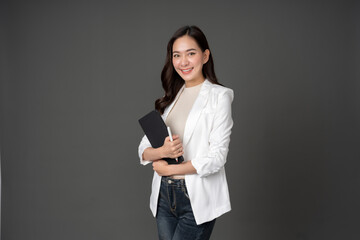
[[77, 75]]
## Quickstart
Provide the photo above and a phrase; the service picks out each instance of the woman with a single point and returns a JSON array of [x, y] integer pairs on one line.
[[187, 198]]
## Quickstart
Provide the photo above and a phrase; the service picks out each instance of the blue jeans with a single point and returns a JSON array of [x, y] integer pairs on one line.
[[175, 218]]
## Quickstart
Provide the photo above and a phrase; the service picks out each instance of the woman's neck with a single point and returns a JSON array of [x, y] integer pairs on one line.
[[194, 83]]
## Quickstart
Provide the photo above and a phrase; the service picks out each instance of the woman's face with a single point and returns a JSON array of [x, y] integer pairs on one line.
[[188, 60]]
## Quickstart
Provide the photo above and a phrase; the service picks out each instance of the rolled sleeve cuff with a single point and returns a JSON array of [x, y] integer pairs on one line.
[[143, 145], [143, 162], [201, 169]]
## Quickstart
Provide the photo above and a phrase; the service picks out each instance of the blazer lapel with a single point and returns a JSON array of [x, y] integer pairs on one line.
[[196, 110]]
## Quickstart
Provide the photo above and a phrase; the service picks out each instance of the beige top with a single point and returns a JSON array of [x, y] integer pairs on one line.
[[178, 115]]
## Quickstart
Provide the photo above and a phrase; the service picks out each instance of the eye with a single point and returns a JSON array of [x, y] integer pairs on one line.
[[191, 53], [176, 55]]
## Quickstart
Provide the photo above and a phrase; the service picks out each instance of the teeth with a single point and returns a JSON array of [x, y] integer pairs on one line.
[[187, 70]]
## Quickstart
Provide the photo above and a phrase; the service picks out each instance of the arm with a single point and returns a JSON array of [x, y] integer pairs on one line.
[[144, 144], [219, 138], [170, 149], [163, 169]]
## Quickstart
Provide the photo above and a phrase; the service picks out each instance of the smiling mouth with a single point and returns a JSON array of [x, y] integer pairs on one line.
[[186, 71]]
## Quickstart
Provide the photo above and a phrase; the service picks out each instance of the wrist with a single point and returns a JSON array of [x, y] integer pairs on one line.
[[169, 170], [161, 152]]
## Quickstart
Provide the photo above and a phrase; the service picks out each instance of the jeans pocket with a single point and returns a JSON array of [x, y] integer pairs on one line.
[[184, 190]]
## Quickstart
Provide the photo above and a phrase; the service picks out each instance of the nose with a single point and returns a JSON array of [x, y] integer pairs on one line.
[[184, 61]]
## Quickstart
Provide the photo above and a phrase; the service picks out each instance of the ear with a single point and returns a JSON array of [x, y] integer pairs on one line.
[[206, 56]]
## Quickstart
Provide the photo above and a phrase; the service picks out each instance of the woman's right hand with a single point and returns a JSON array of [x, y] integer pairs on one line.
[[172, 149]]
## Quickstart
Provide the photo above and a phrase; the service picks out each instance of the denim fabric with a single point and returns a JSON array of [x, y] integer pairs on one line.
[[175, 219]]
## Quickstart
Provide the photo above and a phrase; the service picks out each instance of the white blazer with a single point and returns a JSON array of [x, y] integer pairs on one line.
[[205, 142]]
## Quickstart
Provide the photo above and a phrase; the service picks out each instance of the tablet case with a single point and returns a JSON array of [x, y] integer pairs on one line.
[[155, 130]]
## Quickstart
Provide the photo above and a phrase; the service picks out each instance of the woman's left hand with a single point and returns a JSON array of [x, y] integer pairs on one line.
[[161, 167]]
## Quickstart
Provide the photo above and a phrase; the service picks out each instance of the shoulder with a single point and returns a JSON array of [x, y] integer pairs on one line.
[[221, 91]]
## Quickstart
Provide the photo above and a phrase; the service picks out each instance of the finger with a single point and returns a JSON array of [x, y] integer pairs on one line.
[[176, 144], [180, 154], [176, 152], [179, 149], [176, 141], [176, 149]]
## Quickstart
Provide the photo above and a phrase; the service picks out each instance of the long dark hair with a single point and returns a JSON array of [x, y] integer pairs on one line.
[[171, 81]]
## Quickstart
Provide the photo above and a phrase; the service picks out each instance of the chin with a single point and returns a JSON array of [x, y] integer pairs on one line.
[[187, 78]]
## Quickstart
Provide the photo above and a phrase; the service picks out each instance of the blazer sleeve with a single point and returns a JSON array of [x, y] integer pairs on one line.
[[219, 138], [143, 145]]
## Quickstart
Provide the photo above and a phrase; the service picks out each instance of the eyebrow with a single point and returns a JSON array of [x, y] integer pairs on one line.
[[191, 49]]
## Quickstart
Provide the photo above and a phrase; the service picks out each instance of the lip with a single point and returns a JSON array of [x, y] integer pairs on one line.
[[186, 71]]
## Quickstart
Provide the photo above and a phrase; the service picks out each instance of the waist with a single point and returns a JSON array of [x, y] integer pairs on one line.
[[173, 181], [177, 176]]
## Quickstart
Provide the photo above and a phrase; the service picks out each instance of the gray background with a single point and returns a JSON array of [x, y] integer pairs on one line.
[[76, 76]]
